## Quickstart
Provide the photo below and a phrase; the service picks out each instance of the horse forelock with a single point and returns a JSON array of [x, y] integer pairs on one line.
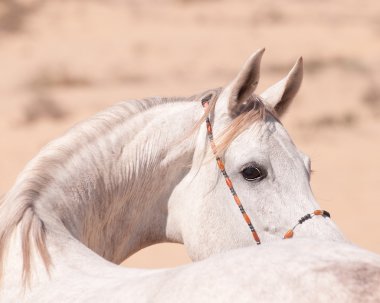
[[252, 111]]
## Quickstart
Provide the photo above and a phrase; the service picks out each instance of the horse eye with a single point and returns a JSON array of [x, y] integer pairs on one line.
[[252, 173]]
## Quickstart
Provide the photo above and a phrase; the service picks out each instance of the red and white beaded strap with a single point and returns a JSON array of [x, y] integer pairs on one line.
[[205, 104]]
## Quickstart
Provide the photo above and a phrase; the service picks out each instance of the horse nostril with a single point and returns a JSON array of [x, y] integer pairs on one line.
[[270, 229]]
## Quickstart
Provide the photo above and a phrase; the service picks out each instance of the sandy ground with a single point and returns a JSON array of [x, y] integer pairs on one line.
[[62, 61]]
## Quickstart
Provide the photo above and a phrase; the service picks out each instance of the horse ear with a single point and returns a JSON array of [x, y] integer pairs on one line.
[[280, 95], [245, 83]]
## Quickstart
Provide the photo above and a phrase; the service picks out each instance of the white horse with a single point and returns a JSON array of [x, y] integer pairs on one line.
[[140, 173]]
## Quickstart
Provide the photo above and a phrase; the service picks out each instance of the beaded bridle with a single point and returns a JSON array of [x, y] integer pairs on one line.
[[289, 234]]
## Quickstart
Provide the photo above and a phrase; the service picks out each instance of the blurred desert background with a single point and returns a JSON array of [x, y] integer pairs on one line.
[[64, 60]]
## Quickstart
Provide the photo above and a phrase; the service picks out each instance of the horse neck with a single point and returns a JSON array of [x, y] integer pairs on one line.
[[109, 188]]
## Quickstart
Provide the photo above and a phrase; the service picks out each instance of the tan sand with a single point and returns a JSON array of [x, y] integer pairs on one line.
[[62, 61]]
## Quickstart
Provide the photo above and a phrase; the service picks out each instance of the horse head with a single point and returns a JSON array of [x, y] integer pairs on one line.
[[270, 175]]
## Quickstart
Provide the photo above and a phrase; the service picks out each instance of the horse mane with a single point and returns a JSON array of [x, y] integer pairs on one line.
[[32, 227], [18, 208]]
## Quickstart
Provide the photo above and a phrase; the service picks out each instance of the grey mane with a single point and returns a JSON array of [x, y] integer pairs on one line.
[[18, 206]]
